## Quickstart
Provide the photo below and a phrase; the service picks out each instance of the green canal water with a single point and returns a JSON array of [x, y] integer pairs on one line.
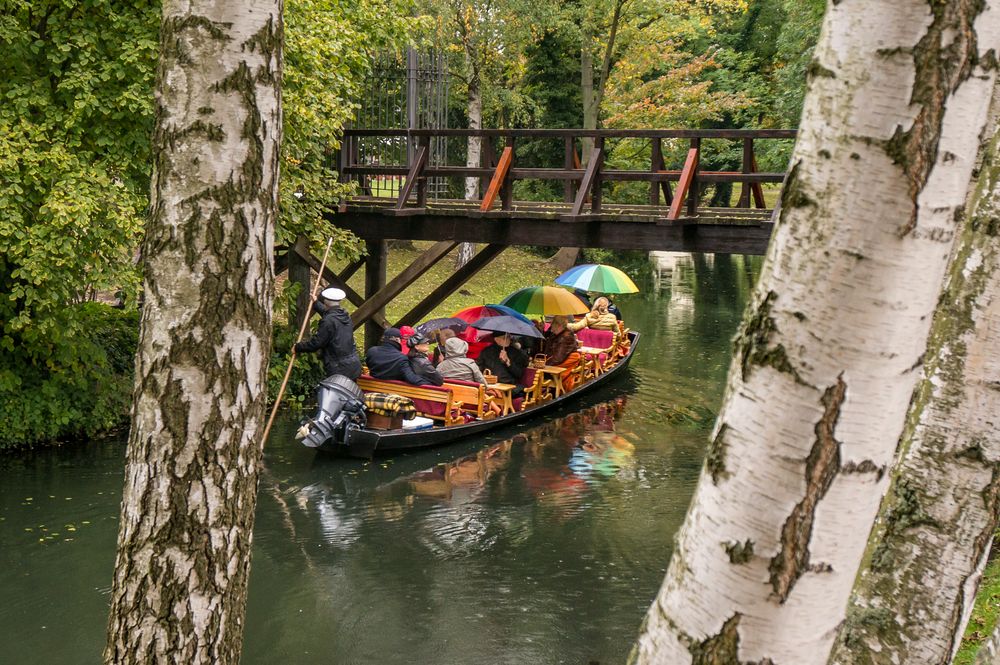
[[543, 544]]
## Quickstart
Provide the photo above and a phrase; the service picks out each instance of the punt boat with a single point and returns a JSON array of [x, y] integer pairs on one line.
[[340, 425]]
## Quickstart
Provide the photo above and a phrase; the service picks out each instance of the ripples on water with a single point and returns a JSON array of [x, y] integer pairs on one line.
[[544, 544]]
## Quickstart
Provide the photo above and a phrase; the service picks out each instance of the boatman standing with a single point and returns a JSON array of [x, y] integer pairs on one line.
[[335, 337]]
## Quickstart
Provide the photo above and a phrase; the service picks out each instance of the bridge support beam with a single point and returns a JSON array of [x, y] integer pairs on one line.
[[452, 284], [375, 265], [376, 299], [299, 273]]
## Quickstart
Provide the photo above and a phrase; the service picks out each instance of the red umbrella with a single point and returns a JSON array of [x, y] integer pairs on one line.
[[476, 312]]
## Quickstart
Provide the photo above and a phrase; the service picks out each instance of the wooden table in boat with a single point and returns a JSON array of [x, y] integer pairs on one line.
[[594, 355], [505, 392], [553, 373]]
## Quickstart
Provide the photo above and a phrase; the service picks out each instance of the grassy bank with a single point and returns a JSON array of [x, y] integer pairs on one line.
[[985, 613], [513, 269]]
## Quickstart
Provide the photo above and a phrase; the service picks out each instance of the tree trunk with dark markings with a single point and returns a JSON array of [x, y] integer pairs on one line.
[[832, 345], [184, 541]]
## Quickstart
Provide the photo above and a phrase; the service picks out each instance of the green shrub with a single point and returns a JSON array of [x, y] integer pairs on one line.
[[307, 373], [44, 402]]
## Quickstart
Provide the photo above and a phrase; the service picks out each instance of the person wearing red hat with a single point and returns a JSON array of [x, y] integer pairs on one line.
[[334, 339], [407, 332]]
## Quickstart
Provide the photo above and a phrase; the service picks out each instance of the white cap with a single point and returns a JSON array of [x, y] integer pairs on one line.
[[332, 294]]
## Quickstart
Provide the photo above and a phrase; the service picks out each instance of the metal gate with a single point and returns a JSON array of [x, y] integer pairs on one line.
[[405, 91]]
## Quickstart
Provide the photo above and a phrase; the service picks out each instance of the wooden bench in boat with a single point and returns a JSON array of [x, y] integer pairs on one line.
[[435, 402], [472, 398]]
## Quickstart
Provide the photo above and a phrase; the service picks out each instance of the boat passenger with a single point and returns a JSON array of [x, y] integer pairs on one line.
[[613, 308], [386, 361], [441, 336], [598, 318], [421, 365], [334, 338], [505, 360], [456, 366], [560, 349], [407, 332]]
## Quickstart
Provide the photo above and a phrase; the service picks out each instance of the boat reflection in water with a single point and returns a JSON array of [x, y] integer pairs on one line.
[[552, 464], [494, 499]]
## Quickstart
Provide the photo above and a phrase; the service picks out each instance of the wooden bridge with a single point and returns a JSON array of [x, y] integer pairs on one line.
[[422, 199]]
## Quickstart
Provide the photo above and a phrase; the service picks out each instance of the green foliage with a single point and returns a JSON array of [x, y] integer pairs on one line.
[[76, 79], [307, 374], [81, 399], [328, 49]]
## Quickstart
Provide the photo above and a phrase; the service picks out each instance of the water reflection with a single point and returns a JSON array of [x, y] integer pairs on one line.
[[541, 544]]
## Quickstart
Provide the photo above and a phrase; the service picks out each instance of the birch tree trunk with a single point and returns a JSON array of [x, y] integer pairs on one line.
[[925, 557], [831, 347], [184, 540], [473, 158]]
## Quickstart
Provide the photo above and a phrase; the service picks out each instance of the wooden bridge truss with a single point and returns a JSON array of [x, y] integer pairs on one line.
[[394, 202]]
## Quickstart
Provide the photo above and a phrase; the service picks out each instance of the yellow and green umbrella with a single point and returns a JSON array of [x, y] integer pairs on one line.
[[545, 301], [597, 278]]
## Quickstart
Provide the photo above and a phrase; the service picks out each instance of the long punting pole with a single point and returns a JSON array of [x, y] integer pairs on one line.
[[302, 332]]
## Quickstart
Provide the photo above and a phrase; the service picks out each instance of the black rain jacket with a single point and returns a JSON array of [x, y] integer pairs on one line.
[[489, 358], [423, 367], [386, 361], [335, 342]]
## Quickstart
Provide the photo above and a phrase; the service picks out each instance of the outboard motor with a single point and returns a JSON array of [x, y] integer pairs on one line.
[[341, 409]]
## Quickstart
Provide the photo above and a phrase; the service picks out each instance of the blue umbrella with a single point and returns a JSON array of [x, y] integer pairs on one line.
[[427, 327], [507, 324]]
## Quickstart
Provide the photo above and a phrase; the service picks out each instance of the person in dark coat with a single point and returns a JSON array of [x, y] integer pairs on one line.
[[421, 365], [334, 339], [504, 360], [386, 361], [560, 348]]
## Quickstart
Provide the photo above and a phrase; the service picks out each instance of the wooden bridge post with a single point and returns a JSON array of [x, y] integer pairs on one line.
[[487, 160], [507, 189], [569, 163], [299, 273], [656, 165], [375, 265], [694, 193], [744, 201], [424, 144], [343, 158], [597, 154]]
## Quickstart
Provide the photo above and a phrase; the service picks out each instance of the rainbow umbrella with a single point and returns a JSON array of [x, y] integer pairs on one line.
[[476, 312], [598, 278], [545, 301]]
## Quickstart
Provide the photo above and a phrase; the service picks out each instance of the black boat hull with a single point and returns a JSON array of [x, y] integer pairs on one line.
[[366, 443]]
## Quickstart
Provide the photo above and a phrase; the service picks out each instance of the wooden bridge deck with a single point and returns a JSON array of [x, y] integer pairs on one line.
[[395, 201], [617, 226], [410, 202]]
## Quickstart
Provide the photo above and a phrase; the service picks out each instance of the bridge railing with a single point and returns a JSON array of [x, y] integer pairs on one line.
[[511, 155]]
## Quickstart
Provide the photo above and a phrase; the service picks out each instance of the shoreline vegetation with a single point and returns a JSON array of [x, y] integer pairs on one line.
[[46, 408]]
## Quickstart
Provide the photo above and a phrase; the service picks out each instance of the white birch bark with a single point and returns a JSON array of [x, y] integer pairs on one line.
[[184, 540], [918, 581], [473, 159], [831, 347]]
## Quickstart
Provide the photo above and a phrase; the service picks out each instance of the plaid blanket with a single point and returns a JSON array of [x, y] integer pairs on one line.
[[385, 404]]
